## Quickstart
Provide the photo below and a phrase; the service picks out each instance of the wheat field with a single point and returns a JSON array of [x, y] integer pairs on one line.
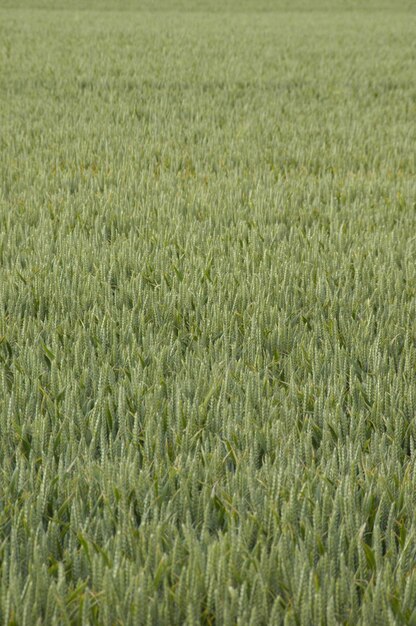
[[207, 313]]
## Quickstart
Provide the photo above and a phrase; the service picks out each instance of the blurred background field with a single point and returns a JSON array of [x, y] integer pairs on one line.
[[208, 6]]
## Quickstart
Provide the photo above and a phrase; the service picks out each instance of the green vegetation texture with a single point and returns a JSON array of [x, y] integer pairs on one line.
[[207, 313]]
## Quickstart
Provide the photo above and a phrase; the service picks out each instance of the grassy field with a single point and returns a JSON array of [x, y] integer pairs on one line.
[[207, 313]]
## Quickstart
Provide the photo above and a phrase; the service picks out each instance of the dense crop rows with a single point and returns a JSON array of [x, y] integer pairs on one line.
[[207, 316]]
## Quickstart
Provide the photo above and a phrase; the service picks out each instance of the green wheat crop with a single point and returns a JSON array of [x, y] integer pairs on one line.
[[207, 312]]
